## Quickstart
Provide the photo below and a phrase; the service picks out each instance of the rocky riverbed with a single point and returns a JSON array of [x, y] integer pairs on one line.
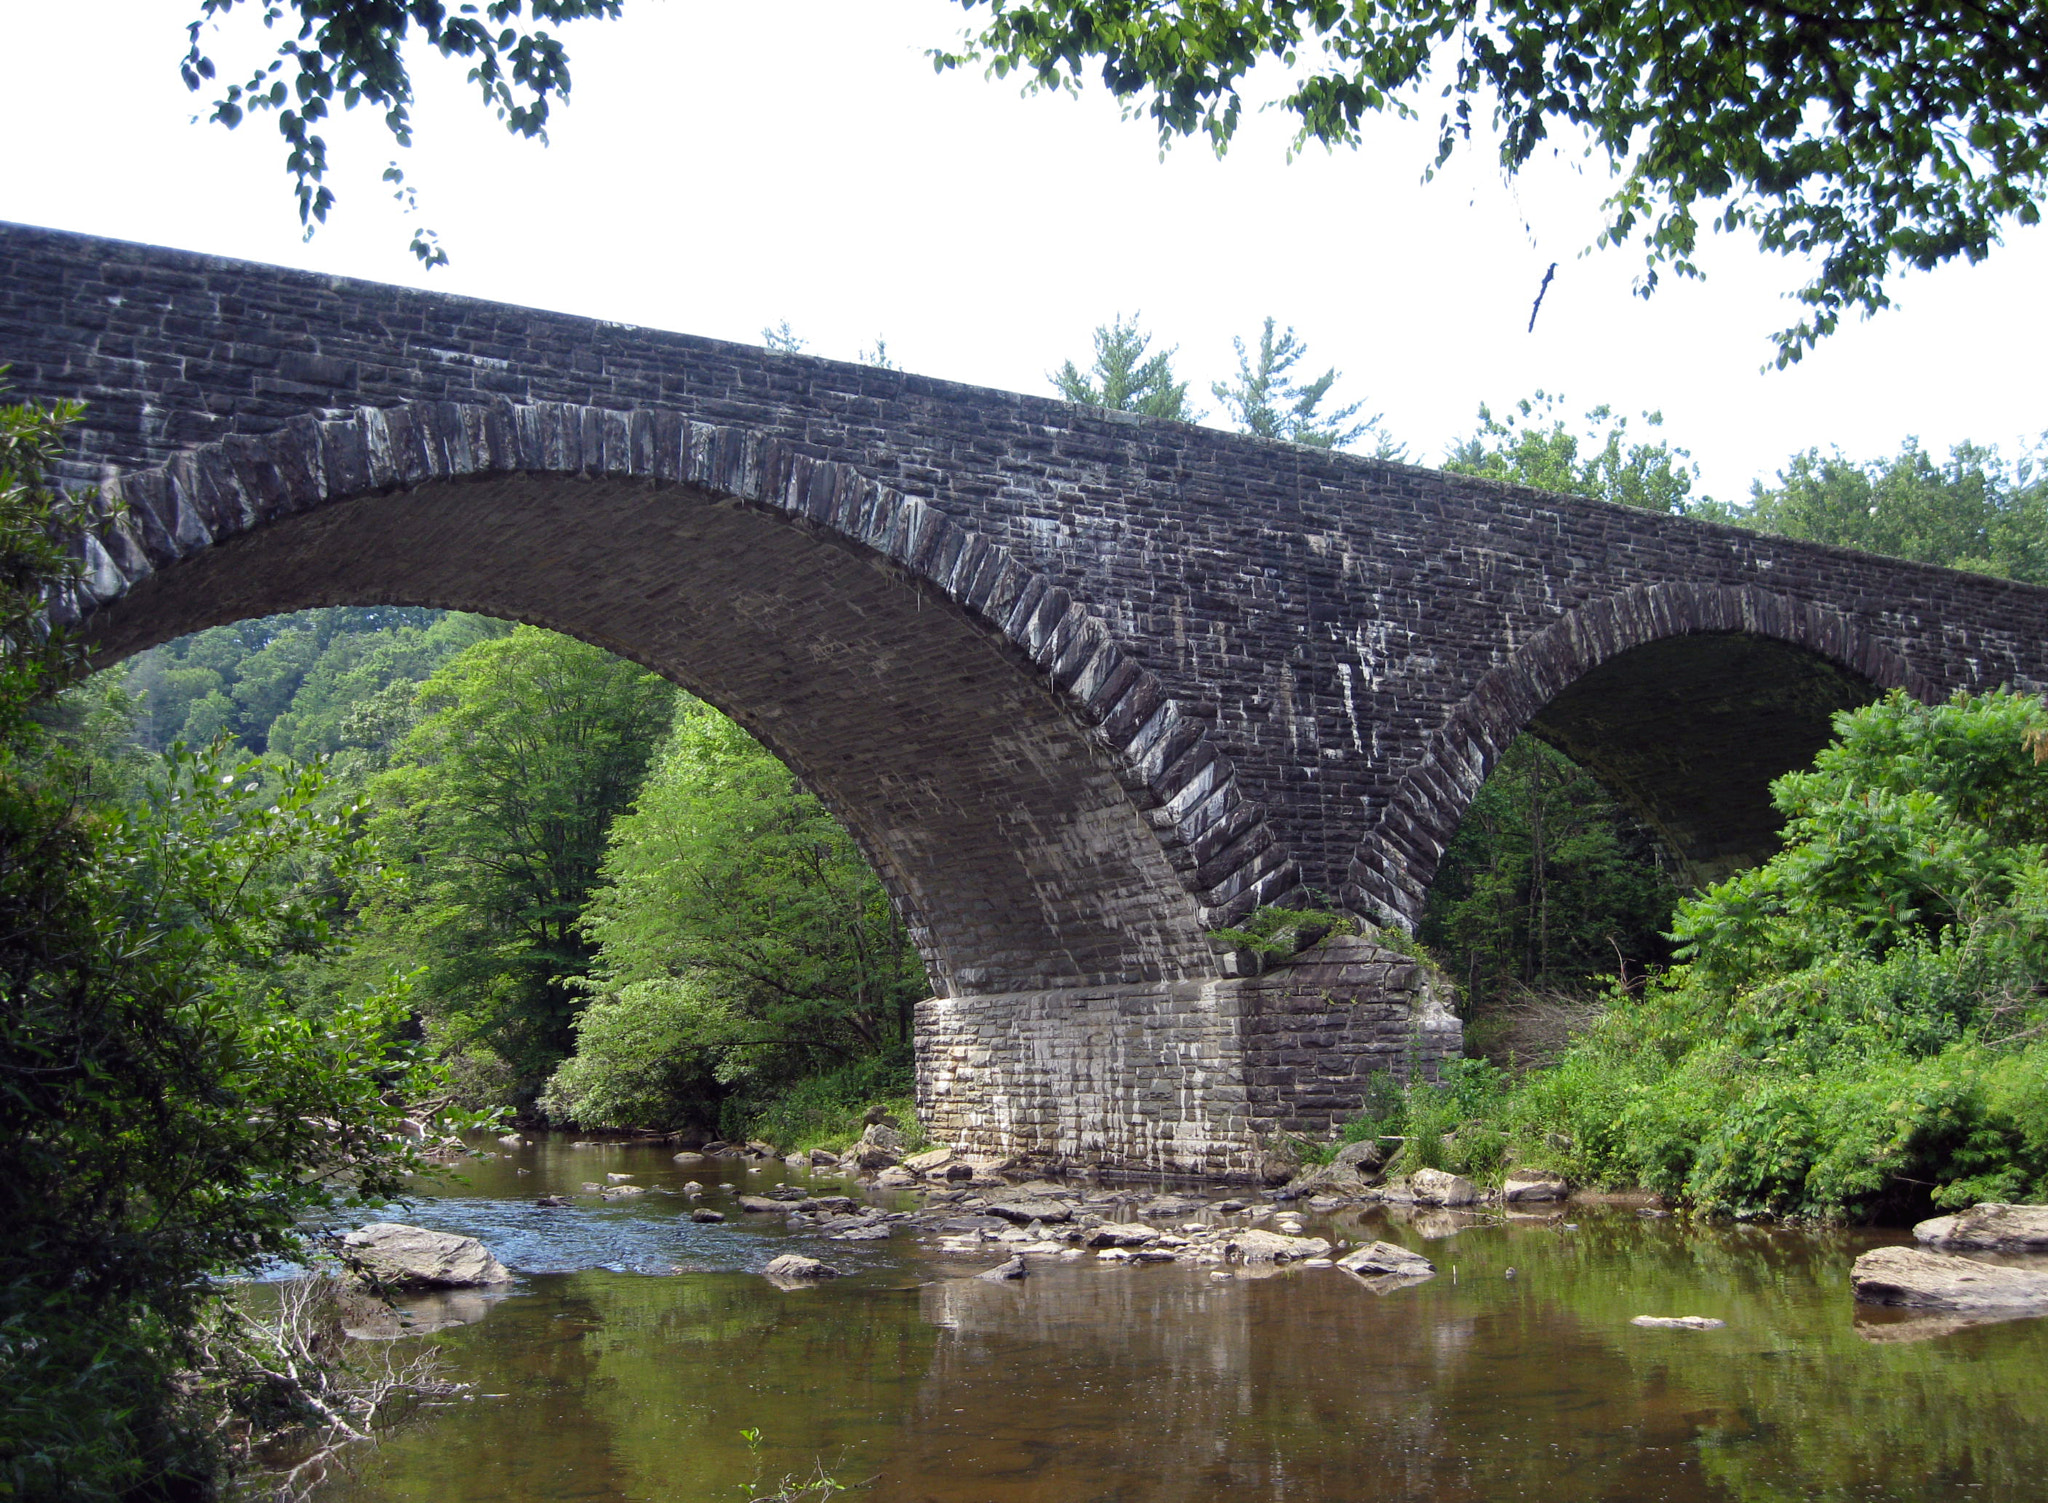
[[1154, 1352]]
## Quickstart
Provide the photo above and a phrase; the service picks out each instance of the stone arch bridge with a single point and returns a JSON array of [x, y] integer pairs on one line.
[[1084, 686]]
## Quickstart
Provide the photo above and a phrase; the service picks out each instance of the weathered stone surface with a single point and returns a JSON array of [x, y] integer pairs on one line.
[[1004, 1272], [1084, 685], [1254, 1245], [1678, 1322], [896, 1177], [397, 1256], [706, 1214], [1530, 1185], [1024, 1212], [1989, 1226], [1923, 1280], [1387, 1258], [873, 1156], [1126, 1234], [930, 1160], [881, 1135], [797, 1269], [1436, 1187]]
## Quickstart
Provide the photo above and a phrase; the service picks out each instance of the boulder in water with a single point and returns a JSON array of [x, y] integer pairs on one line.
[[1941, 1281], [1989, 1226], [796, 1268], [396, 1256], [1387, 1258]]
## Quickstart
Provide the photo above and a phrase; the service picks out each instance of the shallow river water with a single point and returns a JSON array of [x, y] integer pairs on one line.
[[638, 1347]]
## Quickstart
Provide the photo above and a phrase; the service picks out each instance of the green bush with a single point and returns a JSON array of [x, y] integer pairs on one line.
[[1856, 1030], [825, 1110]]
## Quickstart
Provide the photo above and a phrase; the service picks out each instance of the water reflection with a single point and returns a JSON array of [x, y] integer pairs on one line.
[[1091, 1381]]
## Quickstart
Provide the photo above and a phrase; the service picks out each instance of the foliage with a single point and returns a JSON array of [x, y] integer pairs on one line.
[[354, 50], [1600, 463], [161, 1121], [1859, 1027], [1282, 932], [1124, 377], [827, 1109], [1971, 511], [297, 1390], [1266, 401], [496, 811], [739, 919], [336, 681], [1548, 885], [1870, 140]]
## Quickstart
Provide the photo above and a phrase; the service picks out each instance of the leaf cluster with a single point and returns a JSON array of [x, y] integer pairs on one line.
[[1869, 138], [353, 51], [1126, 377]]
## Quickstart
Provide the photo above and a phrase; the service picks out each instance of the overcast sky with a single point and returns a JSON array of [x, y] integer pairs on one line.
[[726, 166]]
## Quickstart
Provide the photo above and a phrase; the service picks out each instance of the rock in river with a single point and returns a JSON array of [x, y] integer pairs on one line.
[[1024, 1212], [411, 1257], [1533, 1184], [1386, 1257], [1989, 1227], [1679, 1322], [795, 1267], [1434, 1187], [1941, 1281]]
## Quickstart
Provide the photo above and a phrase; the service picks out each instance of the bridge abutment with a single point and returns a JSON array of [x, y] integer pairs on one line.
[[1178, 1077]]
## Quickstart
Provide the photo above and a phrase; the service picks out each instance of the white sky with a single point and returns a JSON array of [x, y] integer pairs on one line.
[[726, 166]]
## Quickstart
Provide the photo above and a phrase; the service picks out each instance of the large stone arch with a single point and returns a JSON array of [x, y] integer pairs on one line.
[[1684, 698], [1046, 813]]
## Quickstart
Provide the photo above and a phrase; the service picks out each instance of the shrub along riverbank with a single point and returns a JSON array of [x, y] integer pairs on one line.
[[1854, 1031]]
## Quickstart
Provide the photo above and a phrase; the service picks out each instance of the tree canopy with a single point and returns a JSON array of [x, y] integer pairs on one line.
[[354, 50], [1871, 137], [1125, 376]]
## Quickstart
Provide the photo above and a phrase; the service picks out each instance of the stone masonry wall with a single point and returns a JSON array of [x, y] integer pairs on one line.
[[1193, 1077]]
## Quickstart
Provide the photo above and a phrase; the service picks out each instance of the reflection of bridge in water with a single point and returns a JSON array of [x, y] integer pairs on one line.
[[1083, 686]]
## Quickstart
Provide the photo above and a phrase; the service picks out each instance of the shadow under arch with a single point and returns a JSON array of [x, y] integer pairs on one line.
[[1684, 699], [1046, 815]]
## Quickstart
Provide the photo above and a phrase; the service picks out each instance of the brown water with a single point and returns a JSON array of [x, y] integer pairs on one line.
[[639, 1346]]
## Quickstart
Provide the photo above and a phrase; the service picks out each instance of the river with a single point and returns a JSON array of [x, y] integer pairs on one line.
[[639, 1346]]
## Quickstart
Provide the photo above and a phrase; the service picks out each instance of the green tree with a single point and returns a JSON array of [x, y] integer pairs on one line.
[[1533, 445], [496, 809], [742, 940], [1265, 400], [1871, 139], [354, 51], [1124, 377], [1548, 886], [1972, 511], [161, 1120]]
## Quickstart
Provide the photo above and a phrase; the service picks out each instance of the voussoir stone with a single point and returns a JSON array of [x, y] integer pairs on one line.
[[1922, 1280], [1989, 1226], [411, 1257]]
